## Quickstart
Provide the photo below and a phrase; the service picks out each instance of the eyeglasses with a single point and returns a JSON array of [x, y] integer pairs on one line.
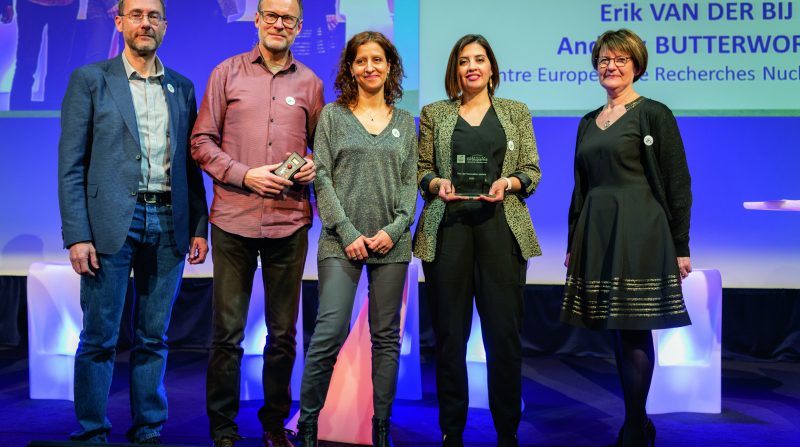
[[270, 17], [618, 61], [154, 18]]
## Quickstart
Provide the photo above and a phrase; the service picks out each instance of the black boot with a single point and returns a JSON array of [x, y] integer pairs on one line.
[[507, 440], [452, 441], [650, 431], [381, 437], [647, 439], [619, 439], [306, 434]]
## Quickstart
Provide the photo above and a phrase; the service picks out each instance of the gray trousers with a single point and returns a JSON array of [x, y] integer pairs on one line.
[[338, 280]]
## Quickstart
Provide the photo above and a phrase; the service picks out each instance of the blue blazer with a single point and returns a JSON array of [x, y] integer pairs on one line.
[[98, 158]]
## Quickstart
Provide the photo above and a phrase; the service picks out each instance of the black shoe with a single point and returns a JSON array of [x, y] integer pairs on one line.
[[224, 442], [278, 437], [650, 431], [452, 441], [618, 443], [507, 440], [155, 440], [648, 438], [307, 434], [381, 436]]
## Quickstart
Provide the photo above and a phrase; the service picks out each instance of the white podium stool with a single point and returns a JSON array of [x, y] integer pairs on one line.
[[688, 364], [255, 338], [477, 376], [55, 320]]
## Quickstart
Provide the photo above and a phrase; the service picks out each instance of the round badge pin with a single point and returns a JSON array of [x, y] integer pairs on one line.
[[648, 140], [290, 100], [170, 88], [511, 145], [396, 133]]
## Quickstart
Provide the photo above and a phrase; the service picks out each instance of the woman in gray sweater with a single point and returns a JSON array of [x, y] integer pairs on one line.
[[365, 151]]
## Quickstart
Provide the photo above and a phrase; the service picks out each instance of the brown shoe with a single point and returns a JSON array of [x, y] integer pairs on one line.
[[278, 437]]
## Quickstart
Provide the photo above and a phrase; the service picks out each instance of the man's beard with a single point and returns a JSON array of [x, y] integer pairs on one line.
[[275, 47], [146, 49]]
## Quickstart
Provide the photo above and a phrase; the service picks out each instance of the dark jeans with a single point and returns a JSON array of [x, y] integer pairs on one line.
[[235, 262], [478, 256], [150, 251], [338, 281], [31, 21]]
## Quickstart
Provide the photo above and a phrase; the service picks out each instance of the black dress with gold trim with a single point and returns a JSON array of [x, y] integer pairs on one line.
[[623, 271]]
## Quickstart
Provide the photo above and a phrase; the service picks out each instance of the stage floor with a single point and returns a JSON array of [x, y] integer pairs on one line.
[[569, 402]]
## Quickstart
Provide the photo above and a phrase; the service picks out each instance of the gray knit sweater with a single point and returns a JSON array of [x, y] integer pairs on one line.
[[365, 183]]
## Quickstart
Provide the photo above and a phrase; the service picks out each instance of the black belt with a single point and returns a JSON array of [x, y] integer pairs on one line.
[[158, 198]]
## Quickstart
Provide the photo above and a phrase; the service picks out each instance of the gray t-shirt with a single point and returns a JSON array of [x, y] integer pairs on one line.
[[365, 182]]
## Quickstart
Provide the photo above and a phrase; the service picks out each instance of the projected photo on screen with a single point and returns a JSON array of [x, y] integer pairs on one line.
[[45, 40]]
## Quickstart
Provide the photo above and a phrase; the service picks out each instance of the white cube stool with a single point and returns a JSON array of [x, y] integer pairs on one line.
[[477, 376], [255, 338], [55, 320], [688, 363]]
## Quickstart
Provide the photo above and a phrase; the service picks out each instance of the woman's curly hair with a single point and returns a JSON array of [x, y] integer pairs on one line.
[[345, 83]]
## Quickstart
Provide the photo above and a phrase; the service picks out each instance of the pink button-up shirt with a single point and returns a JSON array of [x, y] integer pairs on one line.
[[250, 117]]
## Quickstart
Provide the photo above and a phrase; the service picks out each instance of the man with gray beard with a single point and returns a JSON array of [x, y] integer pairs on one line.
[[131, 198], [258, 108]]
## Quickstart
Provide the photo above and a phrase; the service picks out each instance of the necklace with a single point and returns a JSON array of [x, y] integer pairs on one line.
[[370, 114], [628, 106]]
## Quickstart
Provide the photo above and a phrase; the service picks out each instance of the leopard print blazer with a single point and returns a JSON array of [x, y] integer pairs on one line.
[[437, 122]]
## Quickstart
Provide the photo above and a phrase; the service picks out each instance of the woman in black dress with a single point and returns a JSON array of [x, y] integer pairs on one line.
[[628, 247]]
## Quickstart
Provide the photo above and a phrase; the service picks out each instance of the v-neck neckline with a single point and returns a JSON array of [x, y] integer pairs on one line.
[[635, 102], [369, 136], [601, 129], [483, 118]]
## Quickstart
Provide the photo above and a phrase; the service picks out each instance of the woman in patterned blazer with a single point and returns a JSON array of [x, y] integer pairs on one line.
[[477, 164]]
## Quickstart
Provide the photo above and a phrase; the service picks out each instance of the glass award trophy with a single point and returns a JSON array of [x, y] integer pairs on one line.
[[469, 175]]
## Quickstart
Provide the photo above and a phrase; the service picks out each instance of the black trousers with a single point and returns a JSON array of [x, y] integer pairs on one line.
[[338, 282], [478, 256], [235, 262]]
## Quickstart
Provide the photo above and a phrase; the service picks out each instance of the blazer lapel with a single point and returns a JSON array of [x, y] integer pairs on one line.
[[504, 117], [445, 146], [171, 93], [117, 82]]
